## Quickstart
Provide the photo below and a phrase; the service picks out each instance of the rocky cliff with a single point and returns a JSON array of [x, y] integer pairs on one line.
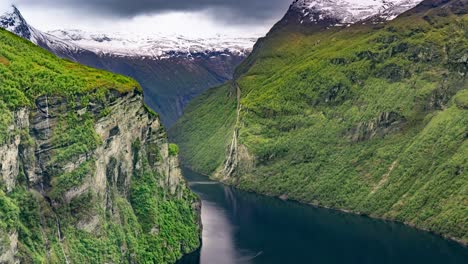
[[83, 194], [87, 175]]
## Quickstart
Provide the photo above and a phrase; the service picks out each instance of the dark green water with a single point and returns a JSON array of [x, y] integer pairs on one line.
[[241, 227]]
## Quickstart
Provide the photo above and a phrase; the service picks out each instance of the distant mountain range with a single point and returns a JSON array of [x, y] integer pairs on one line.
[[155, 46], [171, 69]]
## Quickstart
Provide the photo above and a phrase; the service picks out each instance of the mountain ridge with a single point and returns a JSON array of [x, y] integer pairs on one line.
[[351, 11], [155, 46]]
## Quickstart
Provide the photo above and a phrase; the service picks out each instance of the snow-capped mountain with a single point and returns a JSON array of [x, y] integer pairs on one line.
[[121, 44], [13, 21], [156, 46], [346, 12]]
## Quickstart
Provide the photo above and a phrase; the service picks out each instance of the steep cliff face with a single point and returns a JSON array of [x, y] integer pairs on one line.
[[86, 173], [368, 118], [81, 195]]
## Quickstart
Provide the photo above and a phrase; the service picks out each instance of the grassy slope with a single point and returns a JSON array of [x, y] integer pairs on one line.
[[208, 121], [304, 96], [27, 72]]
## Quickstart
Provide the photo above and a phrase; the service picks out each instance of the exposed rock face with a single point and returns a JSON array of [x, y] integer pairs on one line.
[[384, 124], [131, 143], [8, 247], [9, 165], [238, 159], [127, 120]]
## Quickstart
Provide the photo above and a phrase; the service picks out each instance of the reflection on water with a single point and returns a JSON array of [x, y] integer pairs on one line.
[[217, 236], [240, 227]]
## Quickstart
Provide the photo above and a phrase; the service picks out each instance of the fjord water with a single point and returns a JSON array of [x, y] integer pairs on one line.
[[240, 227]]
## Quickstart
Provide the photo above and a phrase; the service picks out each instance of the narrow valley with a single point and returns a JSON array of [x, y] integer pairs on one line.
[[234, 132]]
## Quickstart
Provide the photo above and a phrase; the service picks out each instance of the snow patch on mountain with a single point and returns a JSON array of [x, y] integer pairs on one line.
[[351, 11], [155, 45], [13, 21]]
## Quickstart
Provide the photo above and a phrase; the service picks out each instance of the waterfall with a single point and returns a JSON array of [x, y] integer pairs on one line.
[[47, 117], [61, 240]]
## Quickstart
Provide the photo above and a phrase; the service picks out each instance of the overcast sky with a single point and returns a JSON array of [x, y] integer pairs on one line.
[[187, 17]]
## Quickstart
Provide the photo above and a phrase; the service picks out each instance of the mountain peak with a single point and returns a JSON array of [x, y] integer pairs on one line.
[[16, 10], [345, 12], [13, 21]]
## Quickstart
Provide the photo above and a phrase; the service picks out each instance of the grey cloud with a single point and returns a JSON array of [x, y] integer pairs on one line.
[[235, 11]]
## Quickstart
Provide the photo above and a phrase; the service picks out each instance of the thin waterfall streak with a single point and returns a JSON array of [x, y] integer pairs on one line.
[[47, 117]]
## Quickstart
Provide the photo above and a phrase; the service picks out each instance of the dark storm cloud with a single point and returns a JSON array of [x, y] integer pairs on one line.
[[236, 11]]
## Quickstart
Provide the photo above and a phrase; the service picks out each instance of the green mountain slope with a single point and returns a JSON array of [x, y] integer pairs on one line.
[[370, 118], [205, 130], [86, 172]]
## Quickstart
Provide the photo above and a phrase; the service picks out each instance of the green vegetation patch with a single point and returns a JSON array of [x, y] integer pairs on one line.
[[173, 150]]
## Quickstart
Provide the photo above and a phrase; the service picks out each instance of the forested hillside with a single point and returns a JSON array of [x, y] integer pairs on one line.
[[370, 118]]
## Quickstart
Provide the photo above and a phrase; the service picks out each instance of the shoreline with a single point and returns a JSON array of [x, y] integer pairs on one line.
[[346, 211]]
